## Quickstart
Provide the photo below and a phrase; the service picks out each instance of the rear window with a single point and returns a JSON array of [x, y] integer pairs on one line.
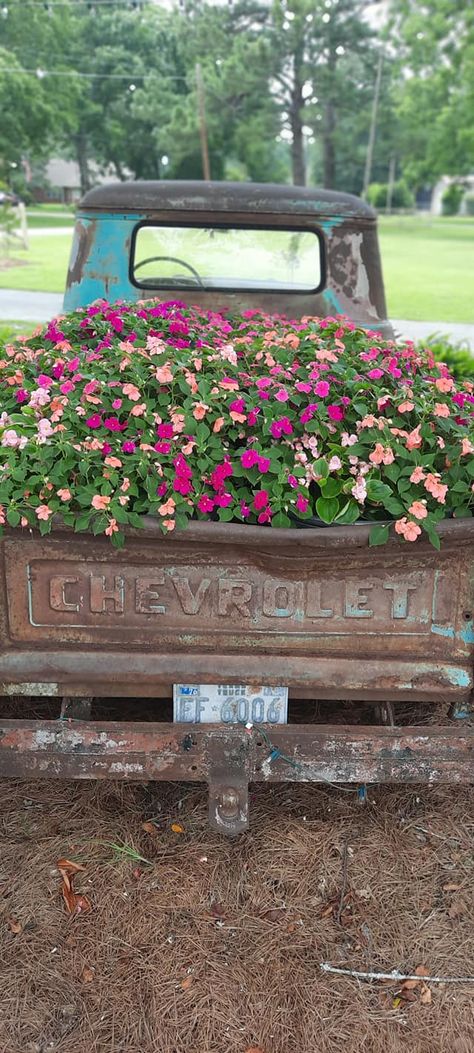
[[226, 258]]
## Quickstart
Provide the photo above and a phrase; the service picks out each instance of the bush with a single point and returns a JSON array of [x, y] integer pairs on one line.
[[119, 411], [469, 204], [457, 357], [451, 199], [402, 197]]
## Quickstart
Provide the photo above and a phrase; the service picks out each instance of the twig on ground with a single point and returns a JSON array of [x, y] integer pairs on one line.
[[345, 857], [395, 975]]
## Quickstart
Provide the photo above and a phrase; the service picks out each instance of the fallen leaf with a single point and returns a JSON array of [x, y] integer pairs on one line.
[[71, 941], [177, 828], [425, 996], [187, 983], [69, 867], [457, 908], [137, 873], [149, 828], [451, 888], [421, 970], [275, 914], [254, 1049], [408, 985], [87, 974], [217, 909], [397, 1001], [291, 927], [15, 926], [75, 902]]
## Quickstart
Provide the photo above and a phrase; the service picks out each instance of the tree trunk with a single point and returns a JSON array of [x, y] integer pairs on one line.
[[329, 153], [83, 162], [296, 119]]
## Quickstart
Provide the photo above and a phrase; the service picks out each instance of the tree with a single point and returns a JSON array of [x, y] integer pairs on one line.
[[435, 41]]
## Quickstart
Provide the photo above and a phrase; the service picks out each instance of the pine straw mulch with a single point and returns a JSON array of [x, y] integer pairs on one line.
[[215, 946]]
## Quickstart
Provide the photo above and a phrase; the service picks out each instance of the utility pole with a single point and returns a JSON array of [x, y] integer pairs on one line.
[[373, 127], [206, 168]]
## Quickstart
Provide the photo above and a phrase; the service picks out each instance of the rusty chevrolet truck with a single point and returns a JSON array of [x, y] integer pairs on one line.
[[248, 643]]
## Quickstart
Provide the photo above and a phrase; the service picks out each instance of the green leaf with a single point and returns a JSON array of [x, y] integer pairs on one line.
[[394, 507], [327, 509], [13, 517], [281, 520], [321, 468], [349, 514], [392, 472], [330, 487], [378, 491], [226, 514], [379, 535]]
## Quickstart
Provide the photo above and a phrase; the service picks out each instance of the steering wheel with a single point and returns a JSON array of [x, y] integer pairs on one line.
[[171, 259]]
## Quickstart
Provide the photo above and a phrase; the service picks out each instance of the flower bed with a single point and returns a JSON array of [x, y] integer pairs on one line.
[[120, 411]]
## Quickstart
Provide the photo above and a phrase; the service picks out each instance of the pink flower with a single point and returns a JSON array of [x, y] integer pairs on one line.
[[200, 410], [163, 374], [406, 407], [113, 462], [167, 508], [359, 490], [444, 384], [335, 412], [261, 499], [111, 528], [322, 388], [410, 531], [100, 502], [437, 489], [418, 509], [95, 421], [375, 374], [414, 440], [282, 395], [205, 504], [43, 512], [382, 454], [169, 524], [131, 392], [116, 404], [263, 464], [64, 494], [302, 503], [466, 447], [335, 464], [417, 475], [249, 459], [308, 412], [348, 440], [442, 410]]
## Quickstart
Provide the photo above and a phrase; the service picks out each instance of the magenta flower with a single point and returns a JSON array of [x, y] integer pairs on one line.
[[205, 504], [237, 406], [128, 446], [263, 464], [282, 395], [113, 424], [182, 485], [165, 431], [95, 421], [244, 510], [162, 447], [335, 412], [249, 459], [322, 388], [302, 503], [223, 500], [308, 413], [375, 374], [265, 516], [21, 395], [261, 499], [161, 489]]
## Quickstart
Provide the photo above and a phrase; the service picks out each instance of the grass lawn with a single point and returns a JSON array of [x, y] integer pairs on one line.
[[42, 267], [428, 266]]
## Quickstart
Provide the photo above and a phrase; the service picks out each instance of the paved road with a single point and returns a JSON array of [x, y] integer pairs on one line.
[[40, 307]]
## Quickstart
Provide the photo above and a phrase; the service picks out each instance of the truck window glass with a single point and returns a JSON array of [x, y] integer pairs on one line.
[[226, 258]]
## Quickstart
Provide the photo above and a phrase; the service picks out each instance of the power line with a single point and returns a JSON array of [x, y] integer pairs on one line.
[[40, 73]]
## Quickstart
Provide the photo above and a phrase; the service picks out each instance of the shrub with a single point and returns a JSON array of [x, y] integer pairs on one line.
[[451, 199], [402, 197], [119, 411], [457, 357]]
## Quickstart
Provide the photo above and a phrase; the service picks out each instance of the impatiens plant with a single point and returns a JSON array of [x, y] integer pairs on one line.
[[120, 411]]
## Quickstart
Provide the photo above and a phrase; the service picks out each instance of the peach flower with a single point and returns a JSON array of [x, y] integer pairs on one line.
[[100, 502]]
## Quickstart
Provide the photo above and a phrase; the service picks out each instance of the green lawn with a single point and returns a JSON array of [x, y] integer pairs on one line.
[[428, 267], [42, 267]]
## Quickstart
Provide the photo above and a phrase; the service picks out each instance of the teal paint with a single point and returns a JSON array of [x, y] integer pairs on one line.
[[467, 634], [442, 630], [458, 677], [105, 271], [330, 296]]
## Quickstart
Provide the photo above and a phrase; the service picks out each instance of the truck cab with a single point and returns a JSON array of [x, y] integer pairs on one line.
[[285, 250]]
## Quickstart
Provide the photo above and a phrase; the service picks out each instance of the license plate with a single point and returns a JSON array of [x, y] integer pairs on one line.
[[229, 704]]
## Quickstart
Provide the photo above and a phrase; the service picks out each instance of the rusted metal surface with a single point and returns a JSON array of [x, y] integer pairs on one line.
[[252, 198], [297, 753], [215, 604], [109, 216]]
